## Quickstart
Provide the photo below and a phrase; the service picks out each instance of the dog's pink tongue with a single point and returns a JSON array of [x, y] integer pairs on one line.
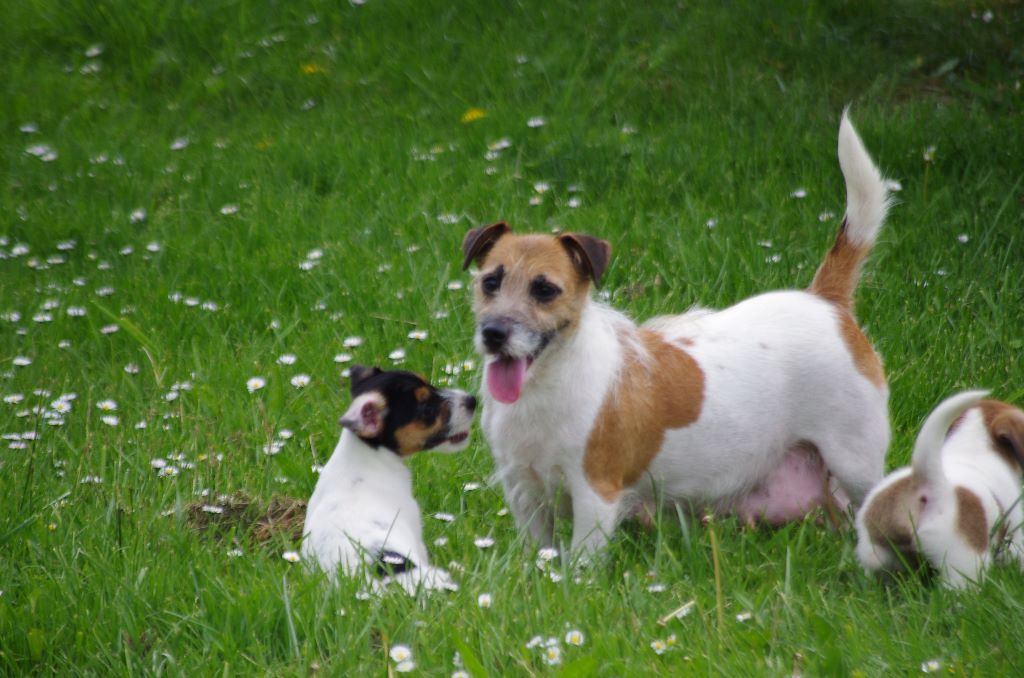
[[505, 379]]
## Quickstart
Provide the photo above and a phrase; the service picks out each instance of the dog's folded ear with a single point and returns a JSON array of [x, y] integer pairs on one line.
[[1008, 432], [357, 374], [479, 241], [589, 254], [365, 416]]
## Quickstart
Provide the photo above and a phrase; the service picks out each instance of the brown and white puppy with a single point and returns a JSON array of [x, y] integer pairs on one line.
[[959, 499], [748, 409], [362, 517]]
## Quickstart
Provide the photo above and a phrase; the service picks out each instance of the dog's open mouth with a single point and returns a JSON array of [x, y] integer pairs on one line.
[[505, 377], [458, 438]]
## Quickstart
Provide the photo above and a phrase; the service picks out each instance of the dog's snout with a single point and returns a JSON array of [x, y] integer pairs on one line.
[[495, 334]]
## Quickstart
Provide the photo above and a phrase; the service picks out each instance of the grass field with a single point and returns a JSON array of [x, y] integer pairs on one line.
[[191, 191]]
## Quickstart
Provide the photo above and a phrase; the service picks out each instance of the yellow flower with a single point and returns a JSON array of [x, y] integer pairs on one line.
[[473, 114], [313, 69]]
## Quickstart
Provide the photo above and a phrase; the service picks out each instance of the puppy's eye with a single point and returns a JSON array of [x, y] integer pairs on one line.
[[544, 291], [491, 284], [428, 411]]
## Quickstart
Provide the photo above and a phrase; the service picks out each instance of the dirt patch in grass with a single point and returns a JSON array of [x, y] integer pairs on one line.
[[281, 517]]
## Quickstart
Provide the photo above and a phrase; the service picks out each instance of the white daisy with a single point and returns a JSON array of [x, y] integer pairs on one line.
[[400, 653], [300, 380], [484, 600], [291, 556], [574, 637], [286, 359], [107, 405], [255, 383]]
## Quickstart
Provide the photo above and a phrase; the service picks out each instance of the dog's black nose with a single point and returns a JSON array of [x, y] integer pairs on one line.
[[470, 402], [495, 334]]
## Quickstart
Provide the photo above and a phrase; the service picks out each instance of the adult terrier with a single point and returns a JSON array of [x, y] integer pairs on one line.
[[749, 409], [960, 498], [362, 516]]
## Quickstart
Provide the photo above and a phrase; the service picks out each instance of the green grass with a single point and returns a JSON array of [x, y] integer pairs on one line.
[[344, 134]]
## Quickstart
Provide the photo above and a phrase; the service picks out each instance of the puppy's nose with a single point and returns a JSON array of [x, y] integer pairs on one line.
[[495, 334], [470, 403]]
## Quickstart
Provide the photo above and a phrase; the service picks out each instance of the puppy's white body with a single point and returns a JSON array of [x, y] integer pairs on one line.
[[784, 388], [947, 506], [363, 507]]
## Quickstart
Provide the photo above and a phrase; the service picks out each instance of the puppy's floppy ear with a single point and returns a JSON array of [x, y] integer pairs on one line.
[[479, 241], [365, 416], [1008, 432], [357, 374], [589, 254]]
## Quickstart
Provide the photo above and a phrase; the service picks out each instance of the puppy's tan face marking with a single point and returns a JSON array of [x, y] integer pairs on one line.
[[531, 280], [664, 392], [416, 435], [1005, 424]]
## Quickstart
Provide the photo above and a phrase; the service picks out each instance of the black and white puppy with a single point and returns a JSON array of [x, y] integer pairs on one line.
[[958, 501], [362, 517]]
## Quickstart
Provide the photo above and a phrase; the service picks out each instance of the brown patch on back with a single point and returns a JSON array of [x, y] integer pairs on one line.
[[839, 273], [970, 519], [1005, 424], [890, 517], [648, 399], [865, 359], [421, 393]]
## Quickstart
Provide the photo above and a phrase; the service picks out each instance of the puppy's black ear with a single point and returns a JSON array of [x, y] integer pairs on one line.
[[365, 416], [589, 254], [479, 241], [358, 374]]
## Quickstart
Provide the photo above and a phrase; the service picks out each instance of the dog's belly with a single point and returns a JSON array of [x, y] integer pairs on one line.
[[792, 490]]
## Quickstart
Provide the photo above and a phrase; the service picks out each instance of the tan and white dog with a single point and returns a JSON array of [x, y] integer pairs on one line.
[[747, 409], [958, 500]]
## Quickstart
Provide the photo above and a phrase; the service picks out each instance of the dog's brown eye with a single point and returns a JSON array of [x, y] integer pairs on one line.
[[491, 283], [544, 291]]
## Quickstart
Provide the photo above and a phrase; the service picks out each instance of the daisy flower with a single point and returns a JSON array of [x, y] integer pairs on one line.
[[400, 653], [229, 209], [255, 383], [574, 637], [352, 342], [107, 405], [553, 655], [535, 122], [110, 420], [342, 357], [484, 600], [300, 380], [291, 556], [418, 335], [484, 542]]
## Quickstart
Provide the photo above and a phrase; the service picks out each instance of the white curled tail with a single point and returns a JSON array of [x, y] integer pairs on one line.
[[867, 202], [927, 459]]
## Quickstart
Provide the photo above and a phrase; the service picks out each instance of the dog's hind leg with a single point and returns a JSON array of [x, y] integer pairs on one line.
[[857, 459]]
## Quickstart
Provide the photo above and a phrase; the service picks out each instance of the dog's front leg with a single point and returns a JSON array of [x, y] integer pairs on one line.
[[594, 519], [530, 508]]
